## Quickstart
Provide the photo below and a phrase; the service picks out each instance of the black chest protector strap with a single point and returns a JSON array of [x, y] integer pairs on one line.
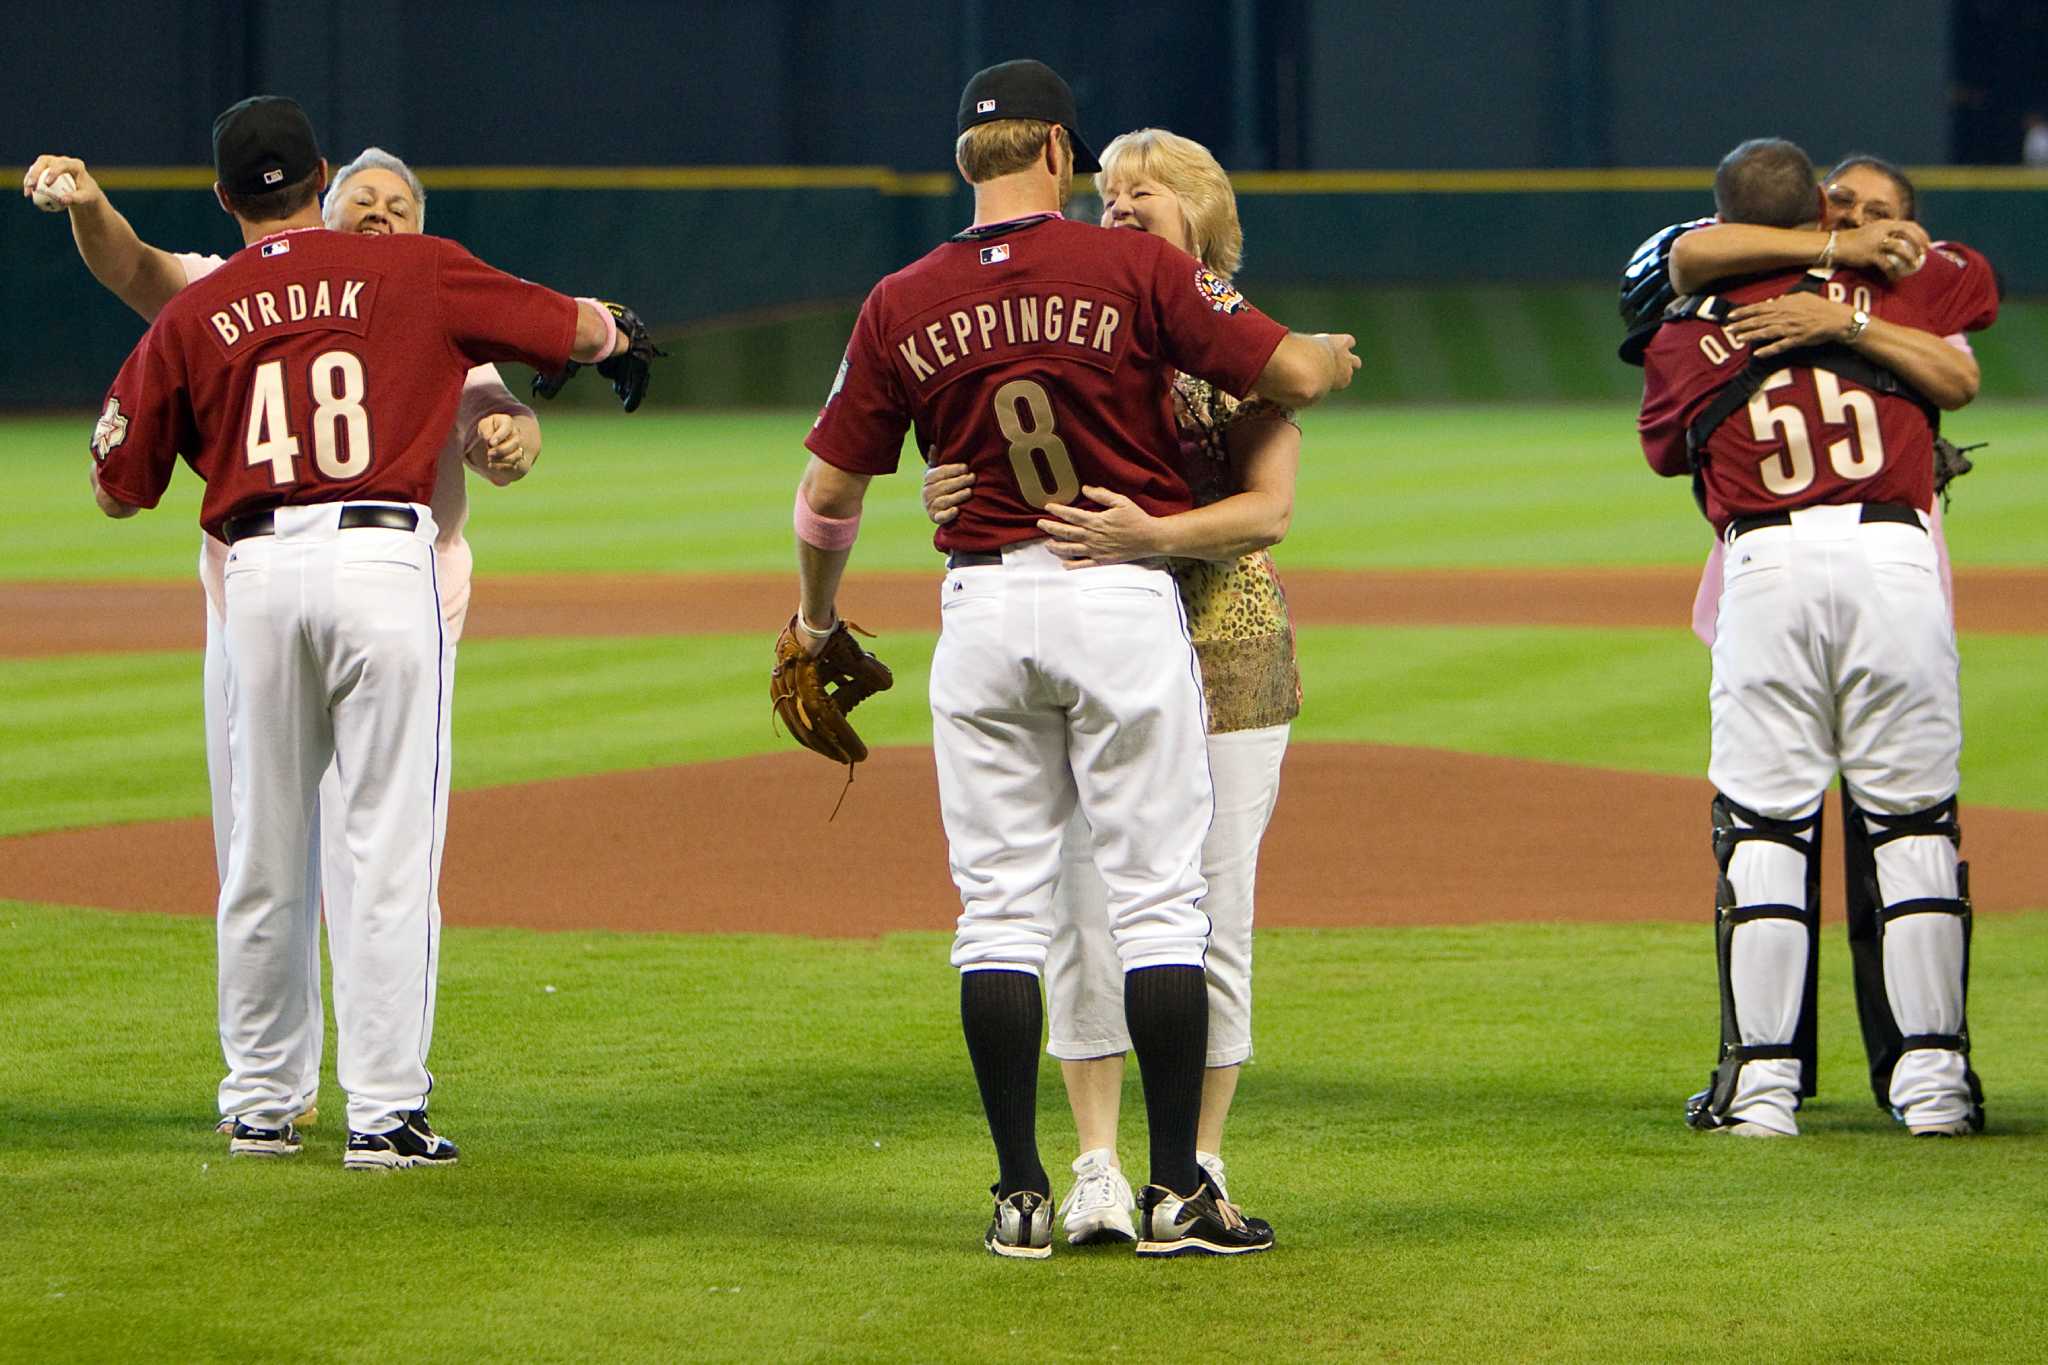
[[1737, 392]]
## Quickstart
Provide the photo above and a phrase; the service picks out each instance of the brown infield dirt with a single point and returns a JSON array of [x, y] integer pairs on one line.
[[1363, 834], [40, 619]]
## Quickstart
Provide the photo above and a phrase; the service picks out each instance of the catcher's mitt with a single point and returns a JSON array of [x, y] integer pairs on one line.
[[1951, 462], [813, 692]]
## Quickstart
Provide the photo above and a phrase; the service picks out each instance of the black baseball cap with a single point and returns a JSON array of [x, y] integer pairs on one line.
[[262, 144], [1025, 89]]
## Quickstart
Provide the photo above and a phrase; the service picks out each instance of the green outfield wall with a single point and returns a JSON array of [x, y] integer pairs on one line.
[[1469, 285]]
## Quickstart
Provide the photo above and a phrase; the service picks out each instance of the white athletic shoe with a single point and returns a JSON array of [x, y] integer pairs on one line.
[[1098, 1208], [1212, 1166], [1744, 1128]]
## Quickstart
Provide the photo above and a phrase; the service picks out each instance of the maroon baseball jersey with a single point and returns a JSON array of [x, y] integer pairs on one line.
[[1810, 436], [1039, 353], [317, 366]]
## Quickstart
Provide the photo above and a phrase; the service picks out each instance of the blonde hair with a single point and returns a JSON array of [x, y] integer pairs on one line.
[[1194, 177], [1004, 146]]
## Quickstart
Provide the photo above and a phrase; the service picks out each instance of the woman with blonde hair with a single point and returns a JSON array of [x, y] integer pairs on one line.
[[1239, 457]]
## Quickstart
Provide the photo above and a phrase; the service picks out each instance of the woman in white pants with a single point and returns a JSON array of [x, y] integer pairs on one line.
[[1240, 459]]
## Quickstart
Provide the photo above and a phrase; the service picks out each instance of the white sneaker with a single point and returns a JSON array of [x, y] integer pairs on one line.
[[1098, 1208], [1212, 1166], [1744, 1128]]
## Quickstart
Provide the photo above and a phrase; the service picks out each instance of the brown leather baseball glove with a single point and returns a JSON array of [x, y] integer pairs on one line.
[[813, 693]]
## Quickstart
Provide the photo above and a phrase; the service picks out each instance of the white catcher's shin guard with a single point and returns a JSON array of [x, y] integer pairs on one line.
[[1924, 951], [1767, 921]]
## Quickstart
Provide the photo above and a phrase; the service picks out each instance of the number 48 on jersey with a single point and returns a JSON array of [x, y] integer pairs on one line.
[[341, 426]]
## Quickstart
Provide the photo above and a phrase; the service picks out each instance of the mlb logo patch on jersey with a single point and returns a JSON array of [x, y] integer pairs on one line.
[[994, 255], [1221, 293], [277, 248]]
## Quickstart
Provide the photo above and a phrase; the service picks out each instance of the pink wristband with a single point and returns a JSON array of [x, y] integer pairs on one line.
[[826, 533], [611, 329]]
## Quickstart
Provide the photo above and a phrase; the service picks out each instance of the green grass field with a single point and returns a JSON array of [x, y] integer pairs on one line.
[[711, 1148]]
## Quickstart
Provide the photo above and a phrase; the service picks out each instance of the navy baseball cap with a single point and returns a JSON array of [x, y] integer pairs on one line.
[[262, 144], [1025, 89]]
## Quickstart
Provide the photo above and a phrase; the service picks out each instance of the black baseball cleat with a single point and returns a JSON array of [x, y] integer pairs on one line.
[[1200, 1224], [247, 1141], [1022, 1226], [411, 1143]]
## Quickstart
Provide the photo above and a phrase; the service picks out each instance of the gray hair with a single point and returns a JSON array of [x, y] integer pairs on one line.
[[373, 159]]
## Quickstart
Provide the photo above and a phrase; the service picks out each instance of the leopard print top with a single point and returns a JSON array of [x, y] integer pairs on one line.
[[1237, 612]]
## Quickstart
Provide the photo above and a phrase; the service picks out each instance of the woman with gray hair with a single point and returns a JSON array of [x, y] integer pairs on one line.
[[494, 434], [376, 193]]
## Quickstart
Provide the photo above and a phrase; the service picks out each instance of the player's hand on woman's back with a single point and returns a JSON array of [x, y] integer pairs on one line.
[[946, 486]]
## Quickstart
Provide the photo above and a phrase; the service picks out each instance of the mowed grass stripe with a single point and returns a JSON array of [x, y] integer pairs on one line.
[[534, 709], [673, 1148], [1427, 487], [1578, 349], [1464, 347]]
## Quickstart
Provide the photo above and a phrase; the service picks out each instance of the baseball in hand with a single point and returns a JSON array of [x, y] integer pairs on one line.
[[48, 188]]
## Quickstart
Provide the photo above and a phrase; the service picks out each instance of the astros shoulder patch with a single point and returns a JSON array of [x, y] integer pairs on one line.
[[110, 430], [1221, 293]]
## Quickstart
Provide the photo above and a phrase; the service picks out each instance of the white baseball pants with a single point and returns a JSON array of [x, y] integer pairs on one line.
[[1834, 651], [304, 1061], [1052, 688], [335, 654], [1084, 984]]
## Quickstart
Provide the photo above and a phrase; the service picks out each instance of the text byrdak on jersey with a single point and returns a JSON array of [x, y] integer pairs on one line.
[[339, 304]]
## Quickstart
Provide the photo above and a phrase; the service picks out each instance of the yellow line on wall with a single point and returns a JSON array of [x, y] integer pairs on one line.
[[1466, 182], [938, 184], [879, 178]]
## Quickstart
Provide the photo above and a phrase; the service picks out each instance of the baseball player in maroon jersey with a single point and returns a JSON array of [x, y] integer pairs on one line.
[[1038, 351], [495, 435], [310, 381], [1870, 214], [1834, 652]]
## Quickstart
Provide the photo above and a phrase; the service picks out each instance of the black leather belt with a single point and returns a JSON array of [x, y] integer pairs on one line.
[[353, 518], [971, 559], [1872, 511]]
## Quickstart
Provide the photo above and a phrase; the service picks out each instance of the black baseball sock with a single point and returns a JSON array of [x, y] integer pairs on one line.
[[1167, 1011], [1002, 1015]]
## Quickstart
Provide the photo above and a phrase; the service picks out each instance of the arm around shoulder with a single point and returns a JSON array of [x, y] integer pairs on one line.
[[1305, 367], [1721, 250]]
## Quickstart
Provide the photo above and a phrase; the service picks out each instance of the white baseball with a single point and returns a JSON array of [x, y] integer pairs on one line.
[[47, 188]]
